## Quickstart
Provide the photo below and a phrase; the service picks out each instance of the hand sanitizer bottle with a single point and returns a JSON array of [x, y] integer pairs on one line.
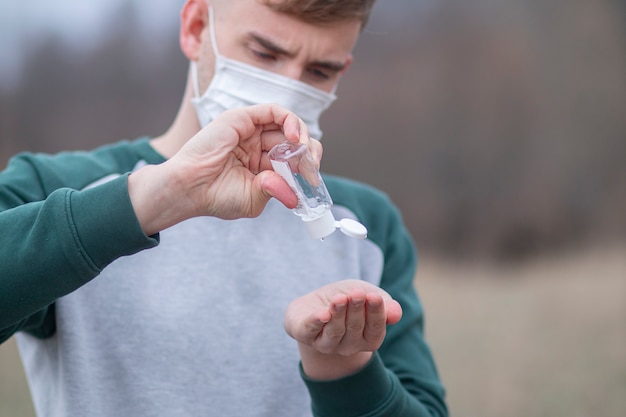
[[294, 163]]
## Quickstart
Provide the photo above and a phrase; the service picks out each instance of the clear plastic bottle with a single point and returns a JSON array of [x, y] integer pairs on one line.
[[294, 163]]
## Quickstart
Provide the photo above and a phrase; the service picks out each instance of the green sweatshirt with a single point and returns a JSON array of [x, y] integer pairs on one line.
[[192, 326]]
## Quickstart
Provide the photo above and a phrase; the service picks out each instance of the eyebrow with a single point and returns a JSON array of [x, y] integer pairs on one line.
[[272, 47]]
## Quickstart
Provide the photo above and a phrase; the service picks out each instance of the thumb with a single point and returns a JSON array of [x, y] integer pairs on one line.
[[270, 184]]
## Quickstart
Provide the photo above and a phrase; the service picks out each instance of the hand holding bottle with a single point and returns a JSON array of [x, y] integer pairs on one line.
[[222, 171], [339, 326]]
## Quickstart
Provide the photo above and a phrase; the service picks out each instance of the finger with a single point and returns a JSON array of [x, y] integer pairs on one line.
[[269, 138], [307, 167], [314, 145], [355, 319], [272, 126], [246, 120], [335, 329], [269, 184], [249, 156], [316, 149], [295, 129], [308, 330], [376, 322], [290, 125]]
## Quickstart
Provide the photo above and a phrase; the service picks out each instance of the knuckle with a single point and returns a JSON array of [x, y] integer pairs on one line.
[[334, 334], [357, 327], [377, 326]]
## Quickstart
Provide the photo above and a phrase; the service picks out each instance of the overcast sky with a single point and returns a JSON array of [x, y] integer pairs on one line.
[[77, 22]]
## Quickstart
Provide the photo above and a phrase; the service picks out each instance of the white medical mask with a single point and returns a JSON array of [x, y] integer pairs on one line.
[[236, 84]]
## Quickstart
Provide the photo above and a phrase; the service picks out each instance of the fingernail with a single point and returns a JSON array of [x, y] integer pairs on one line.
[[376, 303]]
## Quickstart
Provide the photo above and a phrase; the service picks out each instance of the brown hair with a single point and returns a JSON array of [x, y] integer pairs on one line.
[[324, 11]]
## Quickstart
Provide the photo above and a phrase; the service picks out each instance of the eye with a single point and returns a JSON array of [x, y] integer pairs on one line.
[[262, 55], [320, 73]]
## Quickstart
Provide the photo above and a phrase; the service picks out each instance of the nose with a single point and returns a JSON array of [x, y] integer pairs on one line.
[[293, 71]]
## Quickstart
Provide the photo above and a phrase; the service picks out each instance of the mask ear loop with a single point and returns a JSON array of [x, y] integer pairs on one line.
[[212, 29], [194, 79], [194, 65]]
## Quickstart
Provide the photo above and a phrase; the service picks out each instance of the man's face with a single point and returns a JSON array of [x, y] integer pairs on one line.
[[250, 32]]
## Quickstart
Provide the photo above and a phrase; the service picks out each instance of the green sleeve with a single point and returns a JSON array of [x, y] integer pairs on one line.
[[53, 244], [401, 379]]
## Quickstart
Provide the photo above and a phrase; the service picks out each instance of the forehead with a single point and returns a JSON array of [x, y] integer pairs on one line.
[[241, 17]]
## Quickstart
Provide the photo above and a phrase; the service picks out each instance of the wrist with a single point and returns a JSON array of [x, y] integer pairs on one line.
[[325, 367], [157, 198]]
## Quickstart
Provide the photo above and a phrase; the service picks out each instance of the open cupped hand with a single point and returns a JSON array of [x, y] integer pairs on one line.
[[340, 325]]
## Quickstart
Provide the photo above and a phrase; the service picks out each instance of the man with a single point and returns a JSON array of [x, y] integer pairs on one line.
[[247, 317]]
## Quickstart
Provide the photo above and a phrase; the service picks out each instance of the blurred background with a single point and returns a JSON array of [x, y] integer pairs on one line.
[[498, 127]]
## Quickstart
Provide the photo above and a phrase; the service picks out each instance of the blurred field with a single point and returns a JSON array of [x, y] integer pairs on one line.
[[14, 395], [544, 339], [547, 338]]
